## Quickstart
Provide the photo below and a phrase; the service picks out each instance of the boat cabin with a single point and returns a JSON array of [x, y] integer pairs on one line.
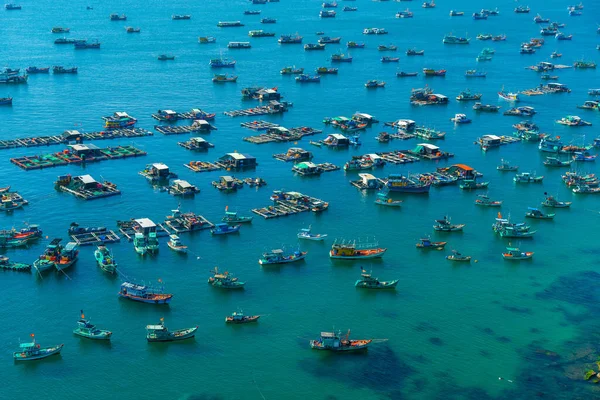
[[336, 140], [406, 124], [307, 168], [558, 87], [491, 141], [85, 182], [228, 183], [268, 95], [364, 118], [182, 188], [131, 289], [158, 170], [201, 125], [85, 151], [168, 115], [369, 181], [277, 107], [238, 161], [72, 136], [461, 170]]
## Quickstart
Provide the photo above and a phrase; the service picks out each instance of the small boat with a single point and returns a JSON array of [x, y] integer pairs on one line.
[[117, 17], [471, 73], [224, 280], [340, 57], [224, 229], [512, 97], [327, 14], [383, 199], [314, 46], [232, 217], [526, 177], [5, 263], [548, 77], [348, 8], [329, 40], [160, 333], [251, 12], [555, 54], [131, 29], [484, 200], [522, 9], [460, 119], [581, 189], [555, 162], [175, 244], [350, 251], [240, 318], [499, 38], [368, 282], [84, 44], [506, 167], [333, 342], [144, 294], [514, 254], [562, 36], [539, 20], [12, 7], [551, 202], [536, 213], [57, 69], [140, 243], [451, 39], [414, 52], [268, 21], [472, 184], [433, 72], [403, 74], [590, 105], [33, 351], [166, 57], [36, 70], [303, 78], [374, 84], [583, 156], [456, 13], [277, 256], [445, 225], [355, 45], [327, 71], [306, 233], [478, 15], [291, 71], [390, 47], [386, 59], [427, 244], [105, 259], [222, 78], [375, 31], [87, 330], [428, 4], [456, 256], [58, 29], [404, 14], [6, 101], [206, 39]]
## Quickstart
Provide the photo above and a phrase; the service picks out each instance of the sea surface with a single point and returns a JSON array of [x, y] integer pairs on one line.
[[488, 330]]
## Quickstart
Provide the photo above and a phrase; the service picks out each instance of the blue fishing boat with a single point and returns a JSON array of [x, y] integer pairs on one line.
[[332, 341], [278, 256], [105, 259], [401, 183], [355, 45], [144, 294], [6, 101], [160, 333], [221, 63], [33, 351], [306, 233], [87, 330], [224, 229], [303, 78]]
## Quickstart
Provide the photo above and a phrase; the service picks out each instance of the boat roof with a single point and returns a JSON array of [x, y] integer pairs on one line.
[[121, 114], [171, 112], [533, 208], [236, 156], [429, 146], [373, 156], [306, 164], [277, 251], [181, 183], [328, 334], [337, 136], [493, 137], [86, 179], [70, 246], [83, 147], [227, 178], [363, 115], [139, 235], [367, 176], [155, 327], [160, 166], [513, 249], [198, 139], [145, 223], [174, 237], [133, 286], [26, 345]]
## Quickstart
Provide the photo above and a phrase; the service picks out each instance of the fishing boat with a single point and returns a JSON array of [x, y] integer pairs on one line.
[[144, 294], [117, 17], [415, 52], [506, 167], [352, 251], [539, 20], [388, 47], [119, 120], [383, 199], [355, 45], [252, 12], [403, 74], [105, 259], [314, 46], [6, 101], [401, 183], [33, 351], [303, 78], [555, 54], [551, 202], [466, 95], [51, 254], [582, 64], [291, 71], [87, 330], [368, 282], [306, 233], [327, 14], [428, 4], [562, 36], [404, 14], [221, 63], [340, 57], [590, 105], [583, 156], [5, 263], [222, 78], [433, 72], [585, 189], [175, 244], [484, 200], [68, 256], [348, 8], [326, 71], [456, 13], [478, 15], [536, 213], [445, 225], [555, 162], [268, 21], [427, 244], [12, 7], [131, 29], [278, 256], [240, 318], [548, 77], [526, 177], [232, 217], [456, 256], [511, 97], [333, 342], [472, 184], [290, 39], [206, 39], [224, 280], [374, 31], [140, 243], [329, 40], [515, 254], [84, 44], [471, 73], [372, 84], [386, 59], [36, 70], [522, 9], [498, 38], [451, 39], [160, 333], [573, 120], [229, 24], [60, 70], [224, 229]]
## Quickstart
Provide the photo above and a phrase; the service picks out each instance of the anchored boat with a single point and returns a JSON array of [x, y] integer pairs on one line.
[[306, 233], [224, 280], [515, 254], [33, 351], [105, 259], [175, 244], [144, 294], [160, 333], [86, 329], [332, 342], [278, 256], [368, 282], [240, 318], [427, 244], [456, 256], [352, 251]]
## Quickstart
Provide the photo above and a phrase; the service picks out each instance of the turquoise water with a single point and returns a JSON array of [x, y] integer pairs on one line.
[[452, 330]]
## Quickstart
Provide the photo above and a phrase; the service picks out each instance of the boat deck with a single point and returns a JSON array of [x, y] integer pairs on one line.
[[202, 166], [188, 222], [258, 125], [95, 238], [37, 141], [56, 159], [292, 135], [328, 167], [398, 157]]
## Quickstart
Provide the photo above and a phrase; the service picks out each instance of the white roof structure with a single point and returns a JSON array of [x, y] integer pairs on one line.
[[337, 136], [145, 223], [160, 166], [428, 146], [237, 156], [121, 114], [182, 184], [491, 137], [86, 179]]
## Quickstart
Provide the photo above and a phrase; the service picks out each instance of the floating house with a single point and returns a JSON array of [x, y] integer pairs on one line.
[[86, 152], [182, 188], [488, 141], [228, 183], [336, 140], [72, 136], [430, 152], [237, 161], [196, 144], [295, 154], [368, 182], [364, 118], [85, 187], [307, 168], [157, 172]]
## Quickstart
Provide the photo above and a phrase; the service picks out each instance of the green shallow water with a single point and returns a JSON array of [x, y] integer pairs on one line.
[[452, 329]]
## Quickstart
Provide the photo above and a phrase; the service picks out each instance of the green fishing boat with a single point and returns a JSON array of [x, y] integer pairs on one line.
[[5, 263], [152, 243], [105, 259], [33, 351], [139, 243], [233, 218], [368, 282], [160, 333], [224, 280], [87, 330]]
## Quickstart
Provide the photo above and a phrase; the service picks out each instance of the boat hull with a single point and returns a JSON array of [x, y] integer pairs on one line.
[[165, 300], [357, 257], [246, 320], [101, 335], [282, 261], [173, 336], [382, 285]]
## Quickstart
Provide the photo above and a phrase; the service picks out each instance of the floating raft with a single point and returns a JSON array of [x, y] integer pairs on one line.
[[15, 197], [180, 130], [179, 116], [202, 166], [258, 125], [328, 167], [95, 238], [187, 222], [61, 139], [127, 229], [398, 157], [290, 135], [503, 140], [283, 208], [196, 144], [260, 110], [62, 158]]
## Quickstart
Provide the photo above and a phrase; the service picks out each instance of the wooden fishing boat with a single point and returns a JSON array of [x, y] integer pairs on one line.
[[506, 167], [87, 330], [232, 217], [144, 294], [427, 244], [538, 214], [5, 263], [368, 282], [277, 256], [350, 251], [333, 342], [33, 351], [444, 225], [105, 259], [383, 199], [160, 333], [471, 184], [306, 234], [526, 177], [240, 318], [514, 254], [175, 244], [224, 280], [456, 256], [224, 229]]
